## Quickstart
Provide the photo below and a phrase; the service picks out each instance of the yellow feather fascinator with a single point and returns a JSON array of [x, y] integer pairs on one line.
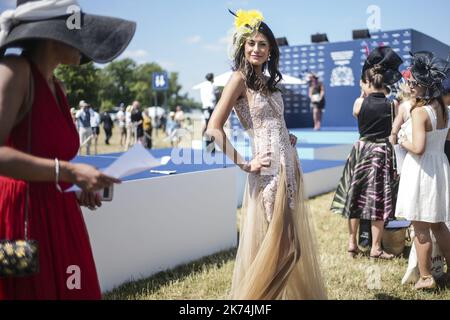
[[248, 19], [246, 23]]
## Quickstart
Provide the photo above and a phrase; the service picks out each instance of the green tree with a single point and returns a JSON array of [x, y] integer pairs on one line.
[[142, 87], [116, 82], [121, 81], [80, 82]]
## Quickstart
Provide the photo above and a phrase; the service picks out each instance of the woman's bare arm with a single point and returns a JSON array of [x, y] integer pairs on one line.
[[419, 135], [398, 122], [357, 107], [14, 80], [233, 91], [322, 91]]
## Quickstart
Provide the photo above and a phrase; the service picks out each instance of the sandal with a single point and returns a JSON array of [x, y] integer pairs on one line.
[[425, 283], [383, 255], [355, 252]]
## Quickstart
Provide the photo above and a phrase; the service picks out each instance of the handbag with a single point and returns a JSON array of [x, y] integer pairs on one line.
[[20, 258], [316, 98], [396, 179]]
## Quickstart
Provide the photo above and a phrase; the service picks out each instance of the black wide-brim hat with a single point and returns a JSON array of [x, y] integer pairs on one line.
[[389, 60], [430, 72], [100, 38], [446, 84]]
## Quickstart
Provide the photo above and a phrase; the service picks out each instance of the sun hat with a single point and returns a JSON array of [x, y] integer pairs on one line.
[[389, 60], [98, 38], [430, 72]]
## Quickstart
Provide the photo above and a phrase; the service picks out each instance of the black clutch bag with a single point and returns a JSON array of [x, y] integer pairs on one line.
[[18, 258]]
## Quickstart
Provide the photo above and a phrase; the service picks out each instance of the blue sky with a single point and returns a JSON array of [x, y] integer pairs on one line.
[[190, 36]]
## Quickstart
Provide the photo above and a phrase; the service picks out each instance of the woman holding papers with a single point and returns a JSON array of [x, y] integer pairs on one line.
[[38, 138], [277, 256]]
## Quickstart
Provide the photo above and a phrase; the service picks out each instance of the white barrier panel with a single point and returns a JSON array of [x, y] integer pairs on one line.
[[316, 182], [157, 224], [322, 181], [334, 153]]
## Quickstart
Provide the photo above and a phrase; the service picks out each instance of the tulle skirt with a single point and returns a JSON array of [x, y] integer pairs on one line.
[[277, 259]]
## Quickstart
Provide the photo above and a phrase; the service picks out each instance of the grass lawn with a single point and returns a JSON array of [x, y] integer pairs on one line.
[[346, 278]]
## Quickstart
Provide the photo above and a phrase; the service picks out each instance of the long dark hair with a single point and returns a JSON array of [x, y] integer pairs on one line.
[[420, 102], [252, 81]]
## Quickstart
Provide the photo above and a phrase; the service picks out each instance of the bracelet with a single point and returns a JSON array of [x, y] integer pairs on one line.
[[57, 169], [245, 166]]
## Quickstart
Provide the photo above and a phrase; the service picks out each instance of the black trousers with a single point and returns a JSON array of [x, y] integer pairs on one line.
[[207, 113], [108, 134]]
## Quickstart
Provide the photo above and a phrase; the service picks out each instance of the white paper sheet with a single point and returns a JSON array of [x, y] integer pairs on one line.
[[163, 172], [135, 160]]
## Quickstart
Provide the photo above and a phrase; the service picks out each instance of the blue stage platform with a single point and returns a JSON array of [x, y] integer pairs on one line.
[[104, 160]]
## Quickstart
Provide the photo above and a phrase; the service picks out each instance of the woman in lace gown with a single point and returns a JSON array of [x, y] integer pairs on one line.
[[277, 257]]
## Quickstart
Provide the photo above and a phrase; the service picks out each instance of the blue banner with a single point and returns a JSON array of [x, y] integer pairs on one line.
[[339, 67]]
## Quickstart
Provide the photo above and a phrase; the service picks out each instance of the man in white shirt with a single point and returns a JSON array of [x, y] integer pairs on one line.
[[95, 125], [208, 96], [83, 117], [122, 125]]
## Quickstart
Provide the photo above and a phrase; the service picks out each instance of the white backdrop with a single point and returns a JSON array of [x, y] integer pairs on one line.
[[157, 224]]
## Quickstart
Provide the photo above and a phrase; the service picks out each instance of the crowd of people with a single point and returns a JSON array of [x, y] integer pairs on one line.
[[135, 126]]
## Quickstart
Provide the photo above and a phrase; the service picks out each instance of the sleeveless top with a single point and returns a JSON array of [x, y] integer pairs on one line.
[[317, 89], [375, 117]]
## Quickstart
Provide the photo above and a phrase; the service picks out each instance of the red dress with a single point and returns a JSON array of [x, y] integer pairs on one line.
[[55, 219]]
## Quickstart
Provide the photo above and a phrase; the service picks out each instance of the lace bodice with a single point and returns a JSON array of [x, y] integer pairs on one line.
[[263, 119]]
